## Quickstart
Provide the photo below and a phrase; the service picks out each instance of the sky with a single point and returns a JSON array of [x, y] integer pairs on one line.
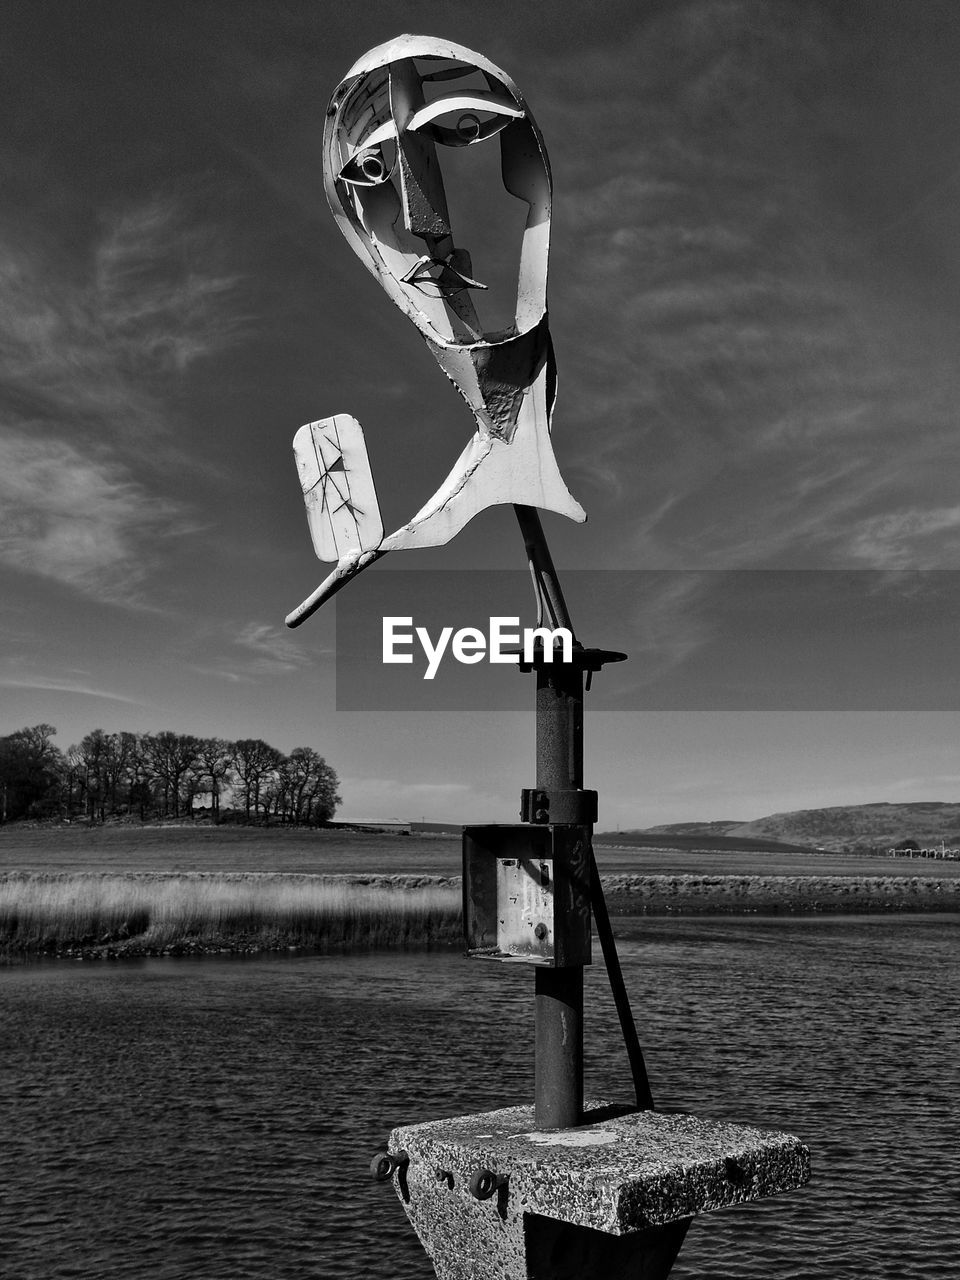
[[754, 302]]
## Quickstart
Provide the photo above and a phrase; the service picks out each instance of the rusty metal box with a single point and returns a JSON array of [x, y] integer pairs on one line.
[[526, 893]]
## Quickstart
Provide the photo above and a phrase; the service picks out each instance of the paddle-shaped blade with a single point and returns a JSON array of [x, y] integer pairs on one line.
[[338, 489]]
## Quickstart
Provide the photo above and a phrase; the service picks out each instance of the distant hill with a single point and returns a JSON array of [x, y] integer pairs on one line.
[[695, 828], [664, 838], [928, 822]]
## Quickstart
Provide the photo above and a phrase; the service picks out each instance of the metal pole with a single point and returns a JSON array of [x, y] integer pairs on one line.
[[559, 992], [558, 1068]]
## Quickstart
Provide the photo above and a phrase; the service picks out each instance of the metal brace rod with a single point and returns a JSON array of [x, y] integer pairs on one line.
[[628, 1027]]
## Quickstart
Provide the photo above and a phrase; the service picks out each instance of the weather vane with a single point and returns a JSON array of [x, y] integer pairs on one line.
[[566, 1188]]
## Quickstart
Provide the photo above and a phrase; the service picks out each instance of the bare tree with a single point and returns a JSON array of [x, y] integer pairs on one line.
[[91, 760], [172, 757], [215, 756], [254, 762], [311, 786], [117, 773], [32, 772]]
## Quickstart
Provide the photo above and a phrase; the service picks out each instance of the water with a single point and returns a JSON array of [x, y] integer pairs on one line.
[[215, 1118]]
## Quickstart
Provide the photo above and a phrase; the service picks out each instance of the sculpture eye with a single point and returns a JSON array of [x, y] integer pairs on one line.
[[369, 166], [462, 120]]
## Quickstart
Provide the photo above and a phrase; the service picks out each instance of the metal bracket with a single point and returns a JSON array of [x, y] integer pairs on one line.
[[540, 805]]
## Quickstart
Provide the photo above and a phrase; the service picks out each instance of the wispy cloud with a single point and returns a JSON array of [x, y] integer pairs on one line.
[[86, 347], [852, 639], [257, 650], [907, 539], [735, 389], [669, 622], [90, 363], [55, 684], [77, 519], [157, 289]]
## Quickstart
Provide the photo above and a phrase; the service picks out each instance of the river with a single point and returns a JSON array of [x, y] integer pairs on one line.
[[215, 1118]]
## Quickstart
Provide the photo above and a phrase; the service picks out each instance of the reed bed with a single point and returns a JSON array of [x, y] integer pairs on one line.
[[156, 914], [151, 913]]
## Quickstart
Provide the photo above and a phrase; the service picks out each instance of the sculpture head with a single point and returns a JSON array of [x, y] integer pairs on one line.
[[397, 124], [402, 118]]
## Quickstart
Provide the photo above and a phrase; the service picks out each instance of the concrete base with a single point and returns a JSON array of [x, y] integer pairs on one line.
[[611, 1198]]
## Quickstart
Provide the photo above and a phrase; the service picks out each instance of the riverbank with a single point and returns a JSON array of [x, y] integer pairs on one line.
[[111, 916]]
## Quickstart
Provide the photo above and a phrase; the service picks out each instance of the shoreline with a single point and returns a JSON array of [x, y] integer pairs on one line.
[[71, 915]]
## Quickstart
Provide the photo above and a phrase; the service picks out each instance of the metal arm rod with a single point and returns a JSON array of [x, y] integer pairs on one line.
[[547, 583]]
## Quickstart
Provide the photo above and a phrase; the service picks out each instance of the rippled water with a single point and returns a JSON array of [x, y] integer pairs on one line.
[[215, 1118]]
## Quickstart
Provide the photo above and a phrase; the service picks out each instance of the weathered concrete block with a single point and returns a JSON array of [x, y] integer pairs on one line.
[[612, 1197]]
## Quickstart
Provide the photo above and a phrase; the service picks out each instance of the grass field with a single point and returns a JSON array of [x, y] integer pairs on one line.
[[128, 848], [124, 848]]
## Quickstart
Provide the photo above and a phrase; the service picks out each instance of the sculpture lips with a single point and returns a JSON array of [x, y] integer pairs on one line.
[[437, 276]]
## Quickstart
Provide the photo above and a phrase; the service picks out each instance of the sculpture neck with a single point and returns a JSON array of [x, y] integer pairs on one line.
[[494, 377]]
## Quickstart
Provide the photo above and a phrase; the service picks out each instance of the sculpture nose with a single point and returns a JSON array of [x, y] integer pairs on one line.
[[421, 189], [421, 181]]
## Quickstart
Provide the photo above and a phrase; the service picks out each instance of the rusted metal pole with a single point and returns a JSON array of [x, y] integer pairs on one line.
[[558, 1068], [558, 1054], [559, 992]]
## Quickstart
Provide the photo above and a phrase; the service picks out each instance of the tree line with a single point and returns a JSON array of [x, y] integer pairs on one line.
[[161, 775]]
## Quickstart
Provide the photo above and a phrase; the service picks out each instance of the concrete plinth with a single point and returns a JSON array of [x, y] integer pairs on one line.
[[611, 1198]]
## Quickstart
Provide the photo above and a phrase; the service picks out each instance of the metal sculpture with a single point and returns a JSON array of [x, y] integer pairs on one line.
[[396, 118], [566, 1189]]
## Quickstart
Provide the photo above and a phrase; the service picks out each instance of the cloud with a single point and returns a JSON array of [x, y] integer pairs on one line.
[[745, 378], [94, 347], [93, 350], [907, 539], [161, 300], [77, 519], [260, 649], [57, 685], [669, 623]]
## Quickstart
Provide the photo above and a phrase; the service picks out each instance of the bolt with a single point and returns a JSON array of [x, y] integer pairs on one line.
[[484, 1183], [540, 932], [384, 1164]]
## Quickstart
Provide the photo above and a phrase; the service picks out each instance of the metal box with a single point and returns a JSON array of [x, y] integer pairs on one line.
[[526, 893]]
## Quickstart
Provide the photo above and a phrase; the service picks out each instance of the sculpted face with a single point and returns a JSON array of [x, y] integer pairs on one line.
[[403, 130], [401, 119]]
